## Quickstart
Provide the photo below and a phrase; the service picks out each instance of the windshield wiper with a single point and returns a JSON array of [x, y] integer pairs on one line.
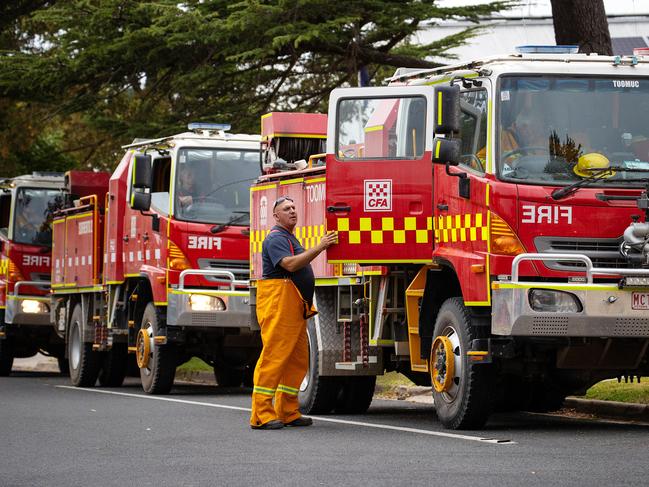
[[230, 184], [597, 175], [233, 219]]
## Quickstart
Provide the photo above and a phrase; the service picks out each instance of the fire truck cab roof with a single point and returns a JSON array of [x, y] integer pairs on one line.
[[538, 63]]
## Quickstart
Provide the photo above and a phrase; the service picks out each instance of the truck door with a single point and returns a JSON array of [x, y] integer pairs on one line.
[[379, 174]]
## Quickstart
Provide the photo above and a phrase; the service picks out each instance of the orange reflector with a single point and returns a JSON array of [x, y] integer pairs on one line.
[[477, 356], [477, 268], [160, 340], [177, 260], [132, 349], [14, 272], [502, 238]]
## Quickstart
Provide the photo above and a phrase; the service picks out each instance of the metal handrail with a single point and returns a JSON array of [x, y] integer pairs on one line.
[[589, 270], [211, 272], [29, 283]]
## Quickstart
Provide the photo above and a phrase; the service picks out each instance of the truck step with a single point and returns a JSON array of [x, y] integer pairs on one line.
[[358, 365]]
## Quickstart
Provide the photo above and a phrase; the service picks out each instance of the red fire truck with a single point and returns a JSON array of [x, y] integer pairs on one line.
[[505, 204], [157, 263], [27, 204]]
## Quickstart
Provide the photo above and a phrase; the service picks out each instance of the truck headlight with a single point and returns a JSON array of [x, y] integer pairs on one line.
[[201, 302], [33, 306], [549, 300]]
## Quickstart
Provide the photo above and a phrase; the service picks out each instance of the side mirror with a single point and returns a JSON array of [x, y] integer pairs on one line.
[[447, 115], [141, 171], [140, 201], [446, 151]]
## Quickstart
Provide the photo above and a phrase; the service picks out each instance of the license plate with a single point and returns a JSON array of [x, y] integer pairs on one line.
[[640, 301]]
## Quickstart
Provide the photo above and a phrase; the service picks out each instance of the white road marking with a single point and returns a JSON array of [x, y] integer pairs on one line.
[[404, 429]]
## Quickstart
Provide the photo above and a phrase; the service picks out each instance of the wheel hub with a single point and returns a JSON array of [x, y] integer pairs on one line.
[[143, 348], [442, 361], [75, 348]]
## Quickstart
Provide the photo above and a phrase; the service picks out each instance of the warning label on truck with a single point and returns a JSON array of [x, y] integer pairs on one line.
[[378, 195]]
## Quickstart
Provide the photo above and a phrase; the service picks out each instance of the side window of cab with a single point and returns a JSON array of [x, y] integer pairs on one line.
[[473, 129]]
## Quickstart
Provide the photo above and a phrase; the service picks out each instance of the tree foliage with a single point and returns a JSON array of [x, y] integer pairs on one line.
[[78, 78]]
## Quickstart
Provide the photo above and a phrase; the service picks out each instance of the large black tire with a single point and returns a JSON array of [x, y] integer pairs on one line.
[[227, 376], [64, 365], [115, 366], [83, 362], [249, 376], [318, 395], [470, 399], [356, 394], [158, 374], [546, 397], [6, 358]]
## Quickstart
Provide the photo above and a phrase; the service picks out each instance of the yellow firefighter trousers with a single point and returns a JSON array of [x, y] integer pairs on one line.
[[284, 359]]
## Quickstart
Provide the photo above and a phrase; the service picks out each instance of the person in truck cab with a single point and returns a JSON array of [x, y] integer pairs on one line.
[[186, 186], [29, 227], [524, 136]]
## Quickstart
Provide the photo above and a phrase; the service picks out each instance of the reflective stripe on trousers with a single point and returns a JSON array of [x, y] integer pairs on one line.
[[284, 358]]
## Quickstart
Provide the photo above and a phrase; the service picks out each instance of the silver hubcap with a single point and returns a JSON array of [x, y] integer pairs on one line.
[[307, 377], [75, 346]]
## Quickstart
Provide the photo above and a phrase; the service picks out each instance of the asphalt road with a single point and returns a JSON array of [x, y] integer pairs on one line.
[[52, 434]]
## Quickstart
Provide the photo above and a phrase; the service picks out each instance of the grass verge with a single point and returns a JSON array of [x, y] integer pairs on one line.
[[611, 390], [194, 365]]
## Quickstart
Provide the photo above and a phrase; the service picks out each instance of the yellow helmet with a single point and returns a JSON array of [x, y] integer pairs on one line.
[[591, 162]]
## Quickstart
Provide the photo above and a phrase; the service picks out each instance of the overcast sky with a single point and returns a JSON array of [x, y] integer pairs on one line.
[[536, 8]]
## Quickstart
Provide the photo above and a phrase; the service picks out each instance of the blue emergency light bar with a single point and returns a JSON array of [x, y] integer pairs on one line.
[[209, 126], [563, 49]]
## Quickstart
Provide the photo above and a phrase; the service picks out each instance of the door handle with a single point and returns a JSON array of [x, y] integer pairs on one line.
[[333, 209], [442, 206]]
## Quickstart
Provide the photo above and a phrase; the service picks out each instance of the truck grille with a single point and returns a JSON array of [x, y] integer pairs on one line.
[[240, 268], [603, 252]]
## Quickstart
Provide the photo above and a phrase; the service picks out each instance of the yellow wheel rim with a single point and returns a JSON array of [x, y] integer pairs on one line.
[[442, 364], [143, 348]]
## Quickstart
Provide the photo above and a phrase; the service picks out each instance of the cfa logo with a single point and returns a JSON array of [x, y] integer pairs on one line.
[[36, 260], [546, 214], [209, 243], [378, 195]]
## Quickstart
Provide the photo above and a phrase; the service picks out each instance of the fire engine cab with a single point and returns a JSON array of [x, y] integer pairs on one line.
[[26, 207], [493, 232], [156, 264]]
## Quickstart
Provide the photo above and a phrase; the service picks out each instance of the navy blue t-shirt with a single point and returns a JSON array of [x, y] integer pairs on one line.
[[281, 243]]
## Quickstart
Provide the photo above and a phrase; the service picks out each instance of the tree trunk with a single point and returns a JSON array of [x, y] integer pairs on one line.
[[582, 22]]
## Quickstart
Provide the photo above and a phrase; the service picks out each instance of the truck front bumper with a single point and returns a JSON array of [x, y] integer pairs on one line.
[[598, 310], [207, 308], [28, 311]]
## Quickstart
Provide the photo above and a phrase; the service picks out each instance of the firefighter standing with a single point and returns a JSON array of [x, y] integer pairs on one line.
[[284, 302]]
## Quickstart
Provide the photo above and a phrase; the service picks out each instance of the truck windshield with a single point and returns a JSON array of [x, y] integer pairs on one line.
[[33, 215], [212, 185], [559, 129]]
